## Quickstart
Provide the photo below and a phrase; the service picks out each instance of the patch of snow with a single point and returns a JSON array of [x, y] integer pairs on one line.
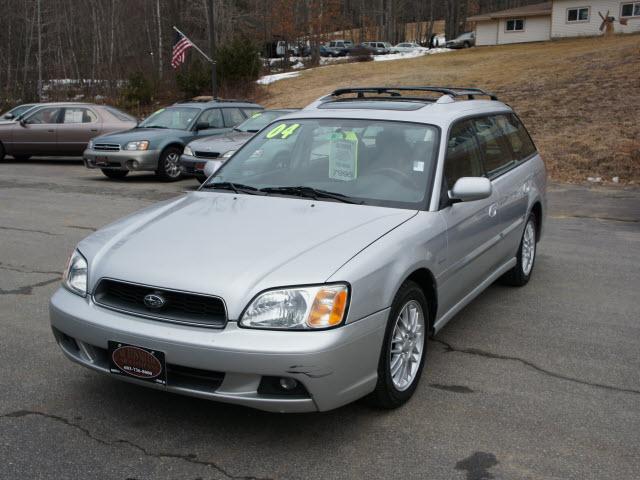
[[404, 55], [269, 79], [298, 66], [616, 179], [594, 179]]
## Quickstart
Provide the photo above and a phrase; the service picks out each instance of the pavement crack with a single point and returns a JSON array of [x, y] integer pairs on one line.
[[595, 217], [482, 353], [14, 268], [80, 227], [189, 458], [32, 230], [28, 289]]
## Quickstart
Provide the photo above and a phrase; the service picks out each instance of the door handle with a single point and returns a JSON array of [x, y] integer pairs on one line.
[[94, 129], [493, 210], [51, 131]]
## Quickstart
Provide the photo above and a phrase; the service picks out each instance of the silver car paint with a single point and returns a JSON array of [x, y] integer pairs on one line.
[[256, 243]]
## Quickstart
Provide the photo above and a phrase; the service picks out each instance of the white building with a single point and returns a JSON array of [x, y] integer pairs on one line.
[[556, 19]]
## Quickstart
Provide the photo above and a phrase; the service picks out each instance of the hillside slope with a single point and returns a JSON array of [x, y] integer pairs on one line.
[[579, 98]]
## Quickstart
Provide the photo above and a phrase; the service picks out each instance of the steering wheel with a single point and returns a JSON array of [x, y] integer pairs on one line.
[[401, 177]]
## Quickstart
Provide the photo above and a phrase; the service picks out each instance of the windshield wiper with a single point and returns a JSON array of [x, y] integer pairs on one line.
[[309, 192], [234, 187], [151, 126]]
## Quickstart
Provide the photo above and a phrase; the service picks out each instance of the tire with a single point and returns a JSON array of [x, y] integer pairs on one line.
[[393, 389], [467, 45], [520, 274], [2, 153], [22, 158], [115, 174], [169, 164], [201, 178]]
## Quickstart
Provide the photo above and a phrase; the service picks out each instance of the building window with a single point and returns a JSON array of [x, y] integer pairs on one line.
[[580, 14], [631, 9], [515, 25]]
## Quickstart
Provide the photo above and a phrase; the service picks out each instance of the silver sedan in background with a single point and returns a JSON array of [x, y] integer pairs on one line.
[[338, 238]]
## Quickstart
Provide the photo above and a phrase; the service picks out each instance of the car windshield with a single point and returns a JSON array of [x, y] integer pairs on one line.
[[361, 161], [258, 121], [19, 110], [179, 118]]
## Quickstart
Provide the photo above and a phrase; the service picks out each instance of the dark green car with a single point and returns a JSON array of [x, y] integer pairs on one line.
[[157, 143]]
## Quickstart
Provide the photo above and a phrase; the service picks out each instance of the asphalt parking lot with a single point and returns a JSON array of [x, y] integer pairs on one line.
[[541, 382]]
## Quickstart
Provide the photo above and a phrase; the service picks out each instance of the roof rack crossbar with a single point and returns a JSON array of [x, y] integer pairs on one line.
[[470, 93]]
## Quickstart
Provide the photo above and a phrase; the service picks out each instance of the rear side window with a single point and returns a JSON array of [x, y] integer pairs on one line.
[[119, 114], [79, 115], [493, 144], [518, 137], [232, 116], [463, 155]]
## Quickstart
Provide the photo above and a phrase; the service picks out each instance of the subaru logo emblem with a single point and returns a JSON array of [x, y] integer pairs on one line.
[[154, 300]]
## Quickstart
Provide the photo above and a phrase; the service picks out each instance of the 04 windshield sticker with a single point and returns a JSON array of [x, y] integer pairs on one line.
[[343, 156], [282, 131]]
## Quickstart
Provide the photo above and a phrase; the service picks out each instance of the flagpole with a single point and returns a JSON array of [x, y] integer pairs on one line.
[[213, 63]]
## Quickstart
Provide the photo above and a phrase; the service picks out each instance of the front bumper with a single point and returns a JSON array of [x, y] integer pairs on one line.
[[190, 165], [122, 160], [335, 366]]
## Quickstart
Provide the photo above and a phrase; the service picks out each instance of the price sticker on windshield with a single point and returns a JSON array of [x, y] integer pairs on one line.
[[343, 156], [282, 131], [256, 115]]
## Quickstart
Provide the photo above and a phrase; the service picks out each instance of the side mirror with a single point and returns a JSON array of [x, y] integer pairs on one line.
[[468, 189], [9, 116], [202, 126], [22, 122]]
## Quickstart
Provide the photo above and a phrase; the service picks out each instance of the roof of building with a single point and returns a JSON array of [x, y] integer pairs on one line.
[[538, 9]]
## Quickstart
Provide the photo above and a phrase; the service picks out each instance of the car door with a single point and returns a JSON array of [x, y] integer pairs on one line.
[[472, 227], [215, 123], [37, 134], [505, 145], [78, 125], [232, 116]]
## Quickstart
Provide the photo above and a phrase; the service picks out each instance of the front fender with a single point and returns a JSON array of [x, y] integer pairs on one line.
[[377, 272]]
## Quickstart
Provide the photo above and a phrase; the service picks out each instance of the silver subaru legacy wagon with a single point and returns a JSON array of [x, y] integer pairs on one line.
[[337, 239]]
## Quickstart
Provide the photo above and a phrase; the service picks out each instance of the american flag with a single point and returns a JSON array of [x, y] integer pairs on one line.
[[180, 47]]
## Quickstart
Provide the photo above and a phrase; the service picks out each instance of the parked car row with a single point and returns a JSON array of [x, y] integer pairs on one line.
[[342, 48]]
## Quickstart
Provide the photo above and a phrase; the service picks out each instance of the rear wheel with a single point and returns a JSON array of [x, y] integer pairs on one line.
[[115, 174], [520, 274], [22, 158], [169, 164], [404, 348], [467, 45]]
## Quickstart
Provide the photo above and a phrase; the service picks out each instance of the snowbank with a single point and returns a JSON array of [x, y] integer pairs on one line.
[[268, 79]]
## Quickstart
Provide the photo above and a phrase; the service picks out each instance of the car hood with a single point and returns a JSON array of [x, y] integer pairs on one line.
[[235, 246], [221, 143], [136, 134]]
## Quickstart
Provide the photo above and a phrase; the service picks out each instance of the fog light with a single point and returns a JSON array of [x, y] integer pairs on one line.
[[288, 383], [134, 164]]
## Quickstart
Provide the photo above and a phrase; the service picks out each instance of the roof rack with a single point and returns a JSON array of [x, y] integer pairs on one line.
[[395, 92], [205, 99]]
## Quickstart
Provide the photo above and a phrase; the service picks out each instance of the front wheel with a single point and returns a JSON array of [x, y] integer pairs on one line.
[[404, 348], [115, 174], [169, 165], [520, 274]]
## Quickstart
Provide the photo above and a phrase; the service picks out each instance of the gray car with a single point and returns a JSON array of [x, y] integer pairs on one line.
[[464, 40], [215, 150], [157, 143], [337, 239]]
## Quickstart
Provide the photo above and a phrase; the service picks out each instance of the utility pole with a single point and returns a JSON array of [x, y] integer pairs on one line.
[[212, 48], [159, 21], [38, 7]]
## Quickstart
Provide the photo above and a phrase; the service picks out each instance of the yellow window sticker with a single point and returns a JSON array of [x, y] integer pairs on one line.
[[256, 115], [343, 156], [282, 131]]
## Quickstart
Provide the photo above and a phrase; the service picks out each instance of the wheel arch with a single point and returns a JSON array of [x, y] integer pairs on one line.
[[536, 210], [427, 283]]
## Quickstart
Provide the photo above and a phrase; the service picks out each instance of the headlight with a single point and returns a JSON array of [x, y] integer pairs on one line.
[[228, 154], [141, 145], [188, 151], [75, 275], [90, 145], [304, 308]]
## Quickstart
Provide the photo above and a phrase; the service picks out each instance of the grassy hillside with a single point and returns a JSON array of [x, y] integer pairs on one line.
[[579, 98]]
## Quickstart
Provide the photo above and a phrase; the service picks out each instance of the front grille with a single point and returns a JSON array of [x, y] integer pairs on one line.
[[179, 307], [201, 154], [106, 147]]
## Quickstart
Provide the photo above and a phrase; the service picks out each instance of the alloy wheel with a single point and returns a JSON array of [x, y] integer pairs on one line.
[[407, 345], [528, 247]]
